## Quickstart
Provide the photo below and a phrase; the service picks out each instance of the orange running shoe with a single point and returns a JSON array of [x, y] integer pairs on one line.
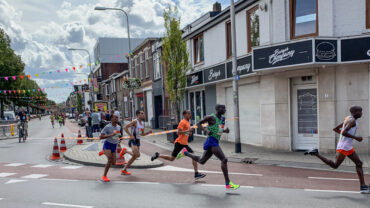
[[101, 153], [125, 172], [105, 179], [123, 151]]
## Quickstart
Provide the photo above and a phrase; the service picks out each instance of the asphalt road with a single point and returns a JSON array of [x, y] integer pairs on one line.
[[28, 179]]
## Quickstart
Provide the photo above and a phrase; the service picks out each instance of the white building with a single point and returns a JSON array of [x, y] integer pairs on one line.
[[302, 65]]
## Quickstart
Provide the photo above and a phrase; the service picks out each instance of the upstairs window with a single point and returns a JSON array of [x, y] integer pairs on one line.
[[303, 18], [141, 66], [228, 40], [198, 49], [147, 64], [367, 14], [253, 27], [157, 65]]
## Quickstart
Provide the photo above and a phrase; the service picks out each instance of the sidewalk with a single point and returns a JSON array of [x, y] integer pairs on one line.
[[263, 156]]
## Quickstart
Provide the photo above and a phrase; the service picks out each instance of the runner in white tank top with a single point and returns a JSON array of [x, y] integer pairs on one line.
[[347, 131]]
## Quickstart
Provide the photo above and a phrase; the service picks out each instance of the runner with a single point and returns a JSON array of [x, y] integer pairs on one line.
[[216, 123], [60, 120], [52, 119], [184, 131], [347, 131], [111, 133], [137, 129]]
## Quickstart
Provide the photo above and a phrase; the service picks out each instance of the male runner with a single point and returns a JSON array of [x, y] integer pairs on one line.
[[52, 118], [137, 129], [347, 131], [184, 131], [216, 124], [111, 133]]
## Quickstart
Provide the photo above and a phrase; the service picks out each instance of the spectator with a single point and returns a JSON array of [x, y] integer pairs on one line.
[[96, 119], [107, 116], [88, 124]]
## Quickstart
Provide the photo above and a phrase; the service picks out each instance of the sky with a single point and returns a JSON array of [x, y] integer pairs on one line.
[[42, 31]]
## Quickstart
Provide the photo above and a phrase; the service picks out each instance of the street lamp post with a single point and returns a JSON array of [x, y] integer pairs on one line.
[[129, 48], [91, 74]]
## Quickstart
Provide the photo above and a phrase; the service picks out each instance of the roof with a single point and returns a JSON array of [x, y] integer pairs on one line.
[[144, 42]]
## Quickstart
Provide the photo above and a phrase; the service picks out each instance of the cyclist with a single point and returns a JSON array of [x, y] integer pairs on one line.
[[23, 119], [52, 118]]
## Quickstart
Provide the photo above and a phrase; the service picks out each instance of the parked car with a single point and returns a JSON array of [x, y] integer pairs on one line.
[[9, 115]]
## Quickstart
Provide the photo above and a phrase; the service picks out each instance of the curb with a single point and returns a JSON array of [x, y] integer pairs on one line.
[[7, 138]]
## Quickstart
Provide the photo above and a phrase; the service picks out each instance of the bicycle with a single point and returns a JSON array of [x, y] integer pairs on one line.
[[22, 131]]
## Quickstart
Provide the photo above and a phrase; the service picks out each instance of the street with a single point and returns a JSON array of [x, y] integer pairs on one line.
[[29, 179]]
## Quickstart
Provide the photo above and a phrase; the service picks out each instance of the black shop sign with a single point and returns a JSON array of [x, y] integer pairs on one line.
[[283, 55], [355, 49], [326, 50], [214, 74], [244, 66], [194, 79]]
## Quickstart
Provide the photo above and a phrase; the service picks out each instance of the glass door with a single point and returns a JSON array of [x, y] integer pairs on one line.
[[197, 107]]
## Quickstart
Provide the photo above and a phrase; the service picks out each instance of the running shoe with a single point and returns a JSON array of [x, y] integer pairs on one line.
[[101, 153], [123, 151], [125, 172], [232, 186], [182, 153], [365, 189], [105, 179], [199, 175], [312, 152], [155, 156]]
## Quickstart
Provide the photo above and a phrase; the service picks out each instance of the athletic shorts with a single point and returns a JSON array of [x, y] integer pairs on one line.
[[210, 142], [135, 142], [110, 146], [346, 152], [178, 147]]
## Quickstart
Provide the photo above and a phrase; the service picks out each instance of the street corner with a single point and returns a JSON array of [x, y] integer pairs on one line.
[[88, 154]]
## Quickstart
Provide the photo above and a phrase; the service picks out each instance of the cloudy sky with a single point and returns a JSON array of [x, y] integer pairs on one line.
[[42, 30]]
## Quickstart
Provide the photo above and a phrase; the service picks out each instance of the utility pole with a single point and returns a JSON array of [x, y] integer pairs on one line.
[[238, 147]]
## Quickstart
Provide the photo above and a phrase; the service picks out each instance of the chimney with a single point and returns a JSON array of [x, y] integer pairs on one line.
[[216, 7]]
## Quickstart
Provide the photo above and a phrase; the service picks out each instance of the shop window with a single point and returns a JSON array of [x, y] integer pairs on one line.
[[198, 49], [253, 27], [303, 19], [228, 40]]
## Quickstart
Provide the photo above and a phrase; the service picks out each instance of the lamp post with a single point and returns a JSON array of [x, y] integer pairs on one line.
[[129, 47], [91, 74]]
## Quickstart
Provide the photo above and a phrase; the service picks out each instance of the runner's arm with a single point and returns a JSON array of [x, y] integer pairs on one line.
[[347, 126], [133, 123], [338, 128], [206, 119]]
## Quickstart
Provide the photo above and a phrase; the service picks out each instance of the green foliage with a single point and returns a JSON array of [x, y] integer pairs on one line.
[[79, 103], [175, 56]]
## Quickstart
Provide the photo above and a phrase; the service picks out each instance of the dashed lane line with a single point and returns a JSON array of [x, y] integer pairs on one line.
[[42, 166], [331, 191], [177, 169], [340, 179], [11, 181], [14, 164], [66, 205], [35, 176], [71, 167], [3, 175]]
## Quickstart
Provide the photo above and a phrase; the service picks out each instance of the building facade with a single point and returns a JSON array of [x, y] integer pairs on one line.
[[300, 64]]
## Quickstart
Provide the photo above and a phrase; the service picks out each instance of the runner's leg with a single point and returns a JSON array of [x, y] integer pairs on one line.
[[340, 158], [206, 155], [109, 155], [217, 151], [136, 154], [354, 157]]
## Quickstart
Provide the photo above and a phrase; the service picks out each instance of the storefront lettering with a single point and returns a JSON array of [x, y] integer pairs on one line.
[[214, 74], [325, 51], [281, 55], [244, 67], [368, 52], [194, 79]]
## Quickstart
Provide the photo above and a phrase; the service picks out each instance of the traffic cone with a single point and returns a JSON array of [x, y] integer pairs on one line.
[[119, 160], [55, 155], [63, 147], [79, 141]]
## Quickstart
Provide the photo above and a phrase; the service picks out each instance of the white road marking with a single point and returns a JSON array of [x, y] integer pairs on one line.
[[42, 166], [14, 164], [71, 167], [3, 175], [333, 191], [341, 179], [177, 169], [217, 185], [56, 179], [65, 205], [1, 199], [15, 181], [128, 182], [35, 176]]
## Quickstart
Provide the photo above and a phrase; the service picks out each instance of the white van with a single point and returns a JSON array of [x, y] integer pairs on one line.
[[9, 115]]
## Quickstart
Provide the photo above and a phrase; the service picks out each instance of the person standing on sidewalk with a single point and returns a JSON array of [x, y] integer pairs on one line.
[[111, 133], [347, 131], [96, 118], [216, 125], [184, 131], [137, 129], [88, 124]]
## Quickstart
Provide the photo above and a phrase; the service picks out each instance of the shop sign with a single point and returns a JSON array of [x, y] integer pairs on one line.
[[194, 79], [326, 51], [283, 55], [244, 66], [214, 74], [355, 49]]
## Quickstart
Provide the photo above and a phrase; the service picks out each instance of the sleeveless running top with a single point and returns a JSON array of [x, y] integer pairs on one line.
[[137, 130], [218, 128], [346, 143]]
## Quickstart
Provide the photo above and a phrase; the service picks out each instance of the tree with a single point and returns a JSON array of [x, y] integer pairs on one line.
[[79, 103], [175, 56]]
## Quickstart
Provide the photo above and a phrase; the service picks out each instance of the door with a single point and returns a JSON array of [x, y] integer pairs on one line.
[[305, 126], [197, 106], [149, 103]]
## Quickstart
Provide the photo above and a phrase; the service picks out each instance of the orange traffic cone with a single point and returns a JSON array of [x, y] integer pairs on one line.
[[79, 141], [55, 155], [119, 160], [63, 147]]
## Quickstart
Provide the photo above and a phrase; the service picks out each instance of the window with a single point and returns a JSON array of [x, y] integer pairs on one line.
[[228, 40], [157, 65], [107, 89], [126, 108], [368, 14], [253, 27], [147, 64], [198, 49], [136, 68], [303, 18], [141, 66]]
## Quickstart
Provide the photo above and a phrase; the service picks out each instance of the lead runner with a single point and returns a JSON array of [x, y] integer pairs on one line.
[[216, 125]]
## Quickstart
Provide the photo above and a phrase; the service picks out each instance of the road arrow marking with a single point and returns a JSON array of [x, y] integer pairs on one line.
[[66, 205]]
